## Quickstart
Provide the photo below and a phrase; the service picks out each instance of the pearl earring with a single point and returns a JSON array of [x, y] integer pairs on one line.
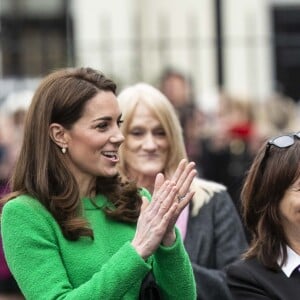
[[63, 150]]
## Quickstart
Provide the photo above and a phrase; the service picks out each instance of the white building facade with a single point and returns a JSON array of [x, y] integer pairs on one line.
[[135, 40]]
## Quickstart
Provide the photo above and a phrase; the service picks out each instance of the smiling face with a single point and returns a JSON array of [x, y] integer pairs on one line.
[[146, 145], [94, 140], [289, 208]]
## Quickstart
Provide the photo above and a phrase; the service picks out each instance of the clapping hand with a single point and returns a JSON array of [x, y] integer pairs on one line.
[[156, 222]]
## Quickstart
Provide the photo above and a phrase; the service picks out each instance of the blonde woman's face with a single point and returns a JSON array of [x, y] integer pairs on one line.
[[146, 146]]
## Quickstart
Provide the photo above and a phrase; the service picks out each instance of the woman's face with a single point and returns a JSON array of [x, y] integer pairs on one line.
[[289, 208], [94, 140], [146, 146]]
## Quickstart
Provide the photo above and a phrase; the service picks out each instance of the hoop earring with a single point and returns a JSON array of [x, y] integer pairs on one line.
[[64, 150]]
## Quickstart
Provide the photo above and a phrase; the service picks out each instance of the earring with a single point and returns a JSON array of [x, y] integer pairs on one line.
[[63, 150]]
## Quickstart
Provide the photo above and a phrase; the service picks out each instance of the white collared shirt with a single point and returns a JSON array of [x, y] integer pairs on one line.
[[292, 262]]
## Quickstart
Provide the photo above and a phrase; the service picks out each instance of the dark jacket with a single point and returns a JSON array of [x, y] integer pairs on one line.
[[249, 279], [215, 238]]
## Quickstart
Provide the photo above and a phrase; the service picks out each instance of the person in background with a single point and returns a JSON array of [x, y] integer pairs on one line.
[[179, 90], [209, 225], [71, 228], [9, 289], [227, 150], [271, 205], [13, 112]]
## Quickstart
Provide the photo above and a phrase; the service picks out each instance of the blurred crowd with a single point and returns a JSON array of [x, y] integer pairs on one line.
[[222, 143], [12, 116]]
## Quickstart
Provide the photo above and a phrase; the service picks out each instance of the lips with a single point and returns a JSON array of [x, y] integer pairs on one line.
[[113, 155], [149, 156]]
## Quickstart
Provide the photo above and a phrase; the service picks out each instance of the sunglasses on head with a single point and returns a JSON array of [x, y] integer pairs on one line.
[[284, 141]]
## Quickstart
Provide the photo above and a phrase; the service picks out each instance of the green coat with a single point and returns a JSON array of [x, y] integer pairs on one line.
[[47, 266]]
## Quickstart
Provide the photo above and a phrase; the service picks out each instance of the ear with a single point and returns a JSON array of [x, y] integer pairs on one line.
[[58, 135]]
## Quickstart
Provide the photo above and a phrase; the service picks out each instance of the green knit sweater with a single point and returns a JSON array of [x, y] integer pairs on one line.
[[48, 266]]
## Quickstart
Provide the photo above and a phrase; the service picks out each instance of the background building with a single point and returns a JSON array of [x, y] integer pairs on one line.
[[249, 47]]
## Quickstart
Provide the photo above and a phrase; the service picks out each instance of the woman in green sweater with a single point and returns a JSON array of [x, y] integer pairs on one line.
[[71, 228]]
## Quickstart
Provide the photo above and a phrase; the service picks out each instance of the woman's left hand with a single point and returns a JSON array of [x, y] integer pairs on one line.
[[183, 178]]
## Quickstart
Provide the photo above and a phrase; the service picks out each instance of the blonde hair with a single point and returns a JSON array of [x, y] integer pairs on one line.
[[161, 107]]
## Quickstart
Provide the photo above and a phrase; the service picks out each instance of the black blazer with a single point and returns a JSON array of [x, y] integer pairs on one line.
[[249, 279]]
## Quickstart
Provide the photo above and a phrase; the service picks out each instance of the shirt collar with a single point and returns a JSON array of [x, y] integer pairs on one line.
[[292, 262], [96, 203]]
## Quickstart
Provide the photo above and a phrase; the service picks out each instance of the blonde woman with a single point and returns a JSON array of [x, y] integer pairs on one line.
[[210, 226]]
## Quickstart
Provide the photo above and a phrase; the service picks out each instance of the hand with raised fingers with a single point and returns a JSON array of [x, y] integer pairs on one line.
[[155, 217], [182, 178]]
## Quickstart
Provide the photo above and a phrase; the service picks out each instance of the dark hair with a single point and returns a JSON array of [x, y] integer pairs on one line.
[[272, 172], [41, 170]]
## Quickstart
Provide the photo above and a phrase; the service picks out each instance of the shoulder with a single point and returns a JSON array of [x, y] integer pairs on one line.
[[245, 269], [210, 186], [242, 264], [25, 217], [22, 202], [24, 207], [208, 192], [250, 279], [241, 273]]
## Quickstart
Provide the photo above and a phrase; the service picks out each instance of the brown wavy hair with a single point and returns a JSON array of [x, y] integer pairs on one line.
[[41, 170], [272, 172]]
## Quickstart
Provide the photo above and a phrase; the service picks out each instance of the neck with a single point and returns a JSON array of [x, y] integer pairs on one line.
[[145, 181], [86, 188], [295, 245], [293, 238]]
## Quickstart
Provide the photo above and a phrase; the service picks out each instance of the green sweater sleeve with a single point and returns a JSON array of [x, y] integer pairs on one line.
[[173, 271], [33, 252]]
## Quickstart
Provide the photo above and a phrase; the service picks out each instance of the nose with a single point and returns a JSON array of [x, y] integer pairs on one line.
[[149, 143], [117, 137]]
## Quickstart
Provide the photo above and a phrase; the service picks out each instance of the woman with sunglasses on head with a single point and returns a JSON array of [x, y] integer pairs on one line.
[[71, 228], [271, 211], [210, 226]]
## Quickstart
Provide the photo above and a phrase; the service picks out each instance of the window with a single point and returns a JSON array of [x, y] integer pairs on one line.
[[34, 41]]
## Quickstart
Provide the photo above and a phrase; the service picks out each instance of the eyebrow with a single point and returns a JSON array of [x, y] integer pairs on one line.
[[107, 118]]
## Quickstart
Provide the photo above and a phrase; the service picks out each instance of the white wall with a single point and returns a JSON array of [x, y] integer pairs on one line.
[[99, 28], [247, 52], [179, 20], [102, 32], [184, 21]]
